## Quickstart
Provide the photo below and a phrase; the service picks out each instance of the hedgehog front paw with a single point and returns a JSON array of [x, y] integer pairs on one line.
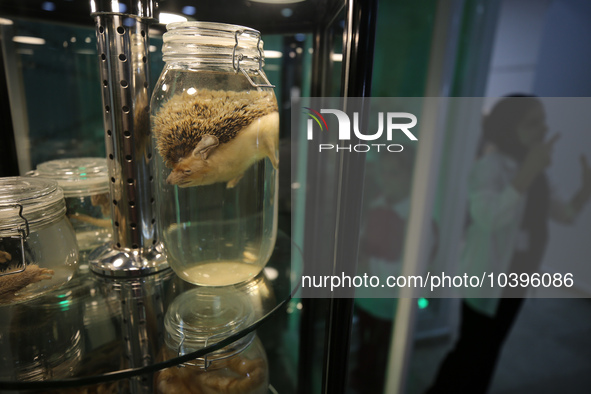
[[234, 182]]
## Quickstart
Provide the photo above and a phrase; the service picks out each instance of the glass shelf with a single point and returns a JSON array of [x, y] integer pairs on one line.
[[97, 329]]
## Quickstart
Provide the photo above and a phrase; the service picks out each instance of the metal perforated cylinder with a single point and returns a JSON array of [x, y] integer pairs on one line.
[[122, 41], [124, 73]]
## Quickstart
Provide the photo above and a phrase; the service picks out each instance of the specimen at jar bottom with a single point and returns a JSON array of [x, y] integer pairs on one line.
[[13, 283], [237, 375]]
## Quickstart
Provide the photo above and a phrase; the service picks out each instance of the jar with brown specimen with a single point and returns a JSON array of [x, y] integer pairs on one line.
[[38, 249], [196, 320]]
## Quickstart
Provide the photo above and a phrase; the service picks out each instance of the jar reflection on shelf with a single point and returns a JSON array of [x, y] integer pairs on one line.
[[100, 317], [215, 137], [41, 339], [202, 317], [244, 373], [258, 291]]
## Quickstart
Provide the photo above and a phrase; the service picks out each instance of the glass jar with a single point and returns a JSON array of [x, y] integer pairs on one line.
[[85, 182], [215, 129], [38, 248], [197, 319]]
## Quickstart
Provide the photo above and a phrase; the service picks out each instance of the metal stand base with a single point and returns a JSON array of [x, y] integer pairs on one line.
[[129, 263]]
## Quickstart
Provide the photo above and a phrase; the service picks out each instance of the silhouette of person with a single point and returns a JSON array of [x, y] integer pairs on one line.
[[510, 202]]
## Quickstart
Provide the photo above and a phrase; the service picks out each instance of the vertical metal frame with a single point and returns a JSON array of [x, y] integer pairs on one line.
[[358, 52], [357, 64], [313, 309]]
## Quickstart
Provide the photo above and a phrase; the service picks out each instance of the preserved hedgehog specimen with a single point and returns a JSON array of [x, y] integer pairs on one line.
[[215, 135]]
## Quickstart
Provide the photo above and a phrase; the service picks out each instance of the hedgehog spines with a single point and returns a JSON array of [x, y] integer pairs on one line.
[[182, 121]]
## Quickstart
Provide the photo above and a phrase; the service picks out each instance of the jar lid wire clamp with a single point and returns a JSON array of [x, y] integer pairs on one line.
[[22, 234], [207, 362], [236, 58]]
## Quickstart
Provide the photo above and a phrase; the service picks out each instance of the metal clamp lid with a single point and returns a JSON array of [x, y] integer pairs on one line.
[[206, 362], [236, 58], [244, 342], [22, 234]]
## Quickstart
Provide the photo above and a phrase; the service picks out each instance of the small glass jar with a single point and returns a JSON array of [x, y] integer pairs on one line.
[[38, 249], [197, 319], [85, 182], [215, 129]]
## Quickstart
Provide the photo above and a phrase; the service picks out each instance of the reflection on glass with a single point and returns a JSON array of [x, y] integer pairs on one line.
[[202, 317]]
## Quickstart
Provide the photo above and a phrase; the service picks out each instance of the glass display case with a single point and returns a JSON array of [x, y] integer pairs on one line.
[[115, 326], [123, 326]]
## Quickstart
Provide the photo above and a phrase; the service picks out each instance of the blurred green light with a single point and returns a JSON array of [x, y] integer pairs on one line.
[[423, 303]]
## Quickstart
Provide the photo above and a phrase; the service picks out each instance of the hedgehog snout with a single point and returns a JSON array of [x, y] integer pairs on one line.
[[169, 179]]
